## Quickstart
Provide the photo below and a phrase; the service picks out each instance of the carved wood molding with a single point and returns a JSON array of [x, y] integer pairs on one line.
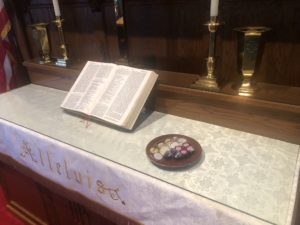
[[24, 214], [79, 213]]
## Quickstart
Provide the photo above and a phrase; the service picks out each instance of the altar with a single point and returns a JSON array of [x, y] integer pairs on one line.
[[242, 178]]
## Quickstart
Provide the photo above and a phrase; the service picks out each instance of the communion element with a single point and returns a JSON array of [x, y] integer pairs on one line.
[[248, 51], [172, 148], [40, 36], [62, 45]]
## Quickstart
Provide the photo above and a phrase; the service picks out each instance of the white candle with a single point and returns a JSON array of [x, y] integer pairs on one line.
[[56, 7], [214, 7]]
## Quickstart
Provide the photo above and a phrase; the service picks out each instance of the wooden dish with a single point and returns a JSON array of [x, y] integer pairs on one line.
[[167, 158]]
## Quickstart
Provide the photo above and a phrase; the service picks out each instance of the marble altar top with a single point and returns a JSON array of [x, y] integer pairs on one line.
[[250, 173]]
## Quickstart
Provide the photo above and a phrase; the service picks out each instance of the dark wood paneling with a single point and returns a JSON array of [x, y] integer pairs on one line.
[[170, 35], [22, 196], [69, 212], [167, 35]]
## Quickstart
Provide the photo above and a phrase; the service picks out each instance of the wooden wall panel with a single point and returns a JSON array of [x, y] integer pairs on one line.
[[22, 196], [170, 35], [167, 35]]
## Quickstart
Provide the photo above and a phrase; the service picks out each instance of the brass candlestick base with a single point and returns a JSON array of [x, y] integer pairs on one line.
[[64, 60], [204, 83], [249, 45], [247, 88], [40, 36], [208, 81]]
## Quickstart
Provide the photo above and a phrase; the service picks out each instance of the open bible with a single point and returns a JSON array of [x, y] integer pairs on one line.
[[109, 92]]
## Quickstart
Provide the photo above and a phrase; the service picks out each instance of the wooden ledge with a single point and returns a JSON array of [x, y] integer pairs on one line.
[[275, 112], [270, 119]]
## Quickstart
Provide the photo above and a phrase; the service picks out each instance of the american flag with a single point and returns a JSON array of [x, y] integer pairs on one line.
[[7, 78]]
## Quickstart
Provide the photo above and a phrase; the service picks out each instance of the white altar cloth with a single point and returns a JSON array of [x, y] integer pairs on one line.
[[241, 179]]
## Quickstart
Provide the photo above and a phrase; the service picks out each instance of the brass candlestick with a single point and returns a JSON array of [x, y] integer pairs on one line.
[[249, 46], [62, 45], [40, 36], [209, 80]]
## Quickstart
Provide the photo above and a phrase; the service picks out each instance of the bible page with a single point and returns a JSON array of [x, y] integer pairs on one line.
[[121, 94], [91, 82]]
